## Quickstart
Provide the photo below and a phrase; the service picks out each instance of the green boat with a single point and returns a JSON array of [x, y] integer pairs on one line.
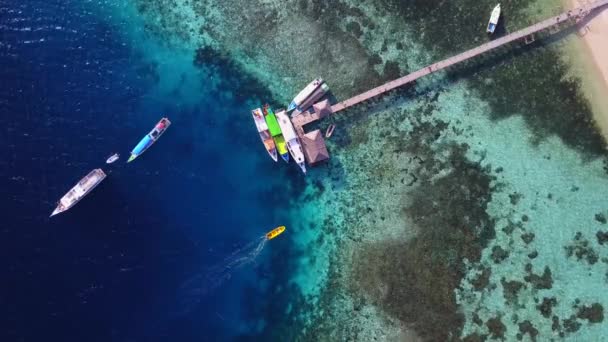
[[275, 131]]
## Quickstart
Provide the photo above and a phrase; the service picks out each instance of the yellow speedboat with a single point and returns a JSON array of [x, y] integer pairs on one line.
[[275, 232]]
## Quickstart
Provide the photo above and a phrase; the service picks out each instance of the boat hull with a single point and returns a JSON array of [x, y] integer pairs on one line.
[[264, 133], [282, 147], [149, 139], [275, 131], [275, 232], [112, 158], [79, 191], [304, 94], [293, 142], [494, 18]]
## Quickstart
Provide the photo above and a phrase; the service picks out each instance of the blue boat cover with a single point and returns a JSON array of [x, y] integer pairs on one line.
[[143, 144]]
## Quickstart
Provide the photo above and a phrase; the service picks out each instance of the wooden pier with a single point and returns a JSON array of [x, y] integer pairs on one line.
[[322, 110]]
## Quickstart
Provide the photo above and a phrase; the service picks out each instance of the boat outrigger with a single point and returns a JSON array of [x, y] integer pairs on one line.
[[275, 232], [293, 143], [81, 189], [265, 136], [305, 94], [494, 19], [275, 131], [150, 138]]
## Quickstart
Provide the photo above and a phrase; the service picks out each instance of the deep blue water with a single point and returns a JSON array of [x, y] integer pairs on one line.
[[78, 84]]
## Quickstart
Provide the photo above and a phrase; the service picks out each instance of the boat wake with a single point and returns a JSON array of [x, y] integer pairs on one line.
[[193, 290]]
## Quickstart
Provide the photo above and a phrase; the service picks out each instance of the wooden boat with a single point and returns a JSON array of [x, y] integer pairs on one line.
[[264, 133], [275, 232], [293, 143], [149, 139], [275, 131]]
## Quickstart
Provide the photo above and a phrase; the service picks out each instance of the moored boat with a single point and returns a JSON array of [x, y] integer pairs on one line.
[[149, 138], [81, 189], [311, 100], [330, 130], [304, 94], [293, 143], [275, 131], [264, 133], [494, 19]]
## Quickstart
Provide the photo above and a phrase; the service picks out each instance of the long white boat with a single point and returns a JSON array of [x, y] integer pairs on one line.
[[81, 189], [262, 126], [293, 143], [304, 94], [494, 19]]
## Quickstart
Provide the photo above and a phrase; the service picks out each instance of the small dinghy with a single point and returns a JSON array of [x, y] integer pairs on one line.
[[112, 158], [494, 19], [330, 130]]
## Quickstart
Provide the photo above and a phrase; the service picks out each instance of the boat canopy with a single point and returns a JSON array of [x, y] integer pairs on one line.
[[273, 125]]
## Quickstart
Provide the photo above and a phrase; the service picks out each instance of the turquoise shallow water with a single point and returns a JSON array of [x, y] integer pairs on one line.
[[435, 217], [468, 207]]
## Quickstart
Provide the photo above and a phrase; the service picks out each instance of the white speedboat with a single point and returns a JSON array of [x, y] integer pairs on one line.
[[293, 142], [112, 158], [304, 94], [81, 189], [494, 19]]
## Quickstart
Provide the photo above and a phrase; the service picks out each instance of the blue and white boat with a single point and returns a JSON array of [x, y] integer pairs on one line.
[[304, 94], [494, 19], [150, 138]]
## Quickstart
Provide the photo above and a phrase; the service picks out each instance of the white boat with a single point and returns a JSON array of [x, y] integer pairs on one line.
[[293, 142], [81, 189], [494, 19], [304, 94], [330, 130], [314, 97], [264, 133], [112, 158]]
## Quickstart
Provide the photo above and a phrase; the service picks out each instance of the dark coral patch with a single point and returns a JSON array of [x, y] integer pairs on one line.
[[243, 85], [415, 280], [571, 324], [526, 327], [499, 254], [544, 281], [527, 238], [581, 249], [496, 327], [602, 237], [593, 313], [546, 307], [511, 289], [482, 280]]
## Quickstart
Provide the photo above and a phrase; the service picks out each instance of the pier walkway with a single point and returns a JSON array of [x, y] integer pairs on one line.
[[321, 110]]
